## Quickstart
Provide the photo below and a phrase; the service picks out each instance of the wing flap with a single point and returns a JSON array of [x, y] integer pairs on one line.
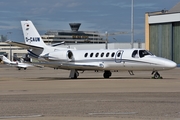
[[80, 66]]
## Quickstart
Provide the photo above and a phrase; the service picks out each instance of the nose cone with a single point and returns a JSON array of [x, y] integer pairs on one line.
[[168, 64]]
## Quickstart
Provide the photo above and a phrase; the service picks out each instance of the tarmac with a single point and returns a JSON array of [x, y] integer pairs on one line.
[[48, 94]]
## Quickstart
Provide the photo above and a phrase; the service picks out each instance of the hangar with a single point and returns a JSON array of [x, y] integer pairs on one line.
[[162, 33]]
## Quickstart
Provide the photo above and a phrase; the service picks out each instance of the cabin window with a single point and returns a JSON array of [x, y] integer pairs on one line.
[[135, 54], [118, 55], [86, 54], [107, 54], [102, 54], [97, 54], [112, 55], [91, 55], [143, 53]]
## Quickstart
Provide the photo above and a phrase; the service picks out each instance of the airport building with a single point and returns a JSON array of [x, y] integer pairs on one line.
[[73, 36], [162, 33]]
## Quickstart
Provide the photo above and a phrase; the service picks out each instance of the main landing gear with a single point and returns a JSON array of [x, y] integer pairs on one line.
[[20, 68], [156, 75], [73, 74], [107, 74]]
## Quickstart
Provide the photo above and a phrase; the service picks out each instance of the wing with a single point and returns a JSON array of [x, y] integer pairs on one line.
[[72, 65], [24, 65], [81, 66]]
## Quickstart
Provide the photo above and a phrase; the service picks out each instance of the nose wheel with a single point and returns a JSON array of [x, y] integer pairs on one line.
[[107, 74], [156, 75]]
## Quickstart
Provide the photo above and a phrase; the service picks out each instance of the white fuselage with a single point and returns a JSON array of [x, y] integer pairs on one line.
[[115, 59], [14, 63], [64, 58], [105, 60]]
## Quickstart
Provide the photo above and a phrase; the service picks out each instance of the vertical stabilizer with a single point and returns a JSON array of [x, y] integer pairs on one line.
[[31, 35], [5, 60]]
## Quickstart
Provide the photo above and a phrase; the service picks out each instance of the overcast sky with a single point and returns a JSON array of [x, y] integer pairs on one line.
[[94, 15]]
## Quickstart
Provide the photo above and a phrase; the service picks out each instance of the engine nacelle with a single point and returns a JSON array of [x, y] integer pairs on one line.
[[62, 55]]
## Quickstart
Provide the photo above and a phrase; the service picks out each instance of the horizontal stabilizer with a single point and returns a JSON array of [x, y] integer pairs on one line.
[[57, 44], [23, 45]]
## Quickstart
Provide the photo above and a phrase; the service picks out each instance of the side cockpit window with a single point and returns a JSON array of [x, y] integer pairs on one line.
[[135, 54], [143, 53]]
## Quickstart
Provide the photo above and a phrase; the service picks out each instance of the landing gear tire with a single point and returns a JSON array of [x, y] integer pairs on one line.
[[74, 74], [107, 74], [157, 75], [74, 77]]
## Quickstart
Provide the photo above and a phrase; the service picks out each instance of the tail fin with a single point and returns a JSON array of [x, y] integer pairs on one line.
[[5, 59], [31, 35]]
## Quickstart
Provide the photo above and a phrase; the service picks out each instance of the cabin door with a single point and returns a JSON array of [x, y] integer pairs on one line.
[[118, 56]]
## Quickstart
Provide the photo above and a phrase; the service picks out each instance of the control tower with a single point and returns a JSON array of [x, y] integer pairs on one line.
[[75, 26]]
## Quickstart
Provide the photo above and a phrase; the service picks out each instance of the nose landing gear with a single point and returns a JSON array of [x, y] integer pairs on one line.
[[156, 75]]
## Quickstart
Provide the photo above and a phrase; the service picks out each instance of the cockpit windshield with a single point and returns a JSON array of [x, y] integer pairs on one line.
[[140, 53], [143, 53]]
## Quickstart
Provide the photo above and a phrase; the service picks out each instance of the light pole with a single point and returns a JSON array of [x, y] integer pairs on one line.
[[106, 40], [132, 24], [110, 34], [10, 50]]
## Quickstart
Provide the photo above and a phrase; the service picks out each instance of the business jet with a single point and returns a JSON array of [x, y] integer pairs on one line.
[[17, 64], [106, 60]]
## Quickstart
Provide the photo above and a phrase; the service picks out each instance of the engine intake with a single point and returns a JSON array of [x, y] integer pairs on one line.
[[69, 55]]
